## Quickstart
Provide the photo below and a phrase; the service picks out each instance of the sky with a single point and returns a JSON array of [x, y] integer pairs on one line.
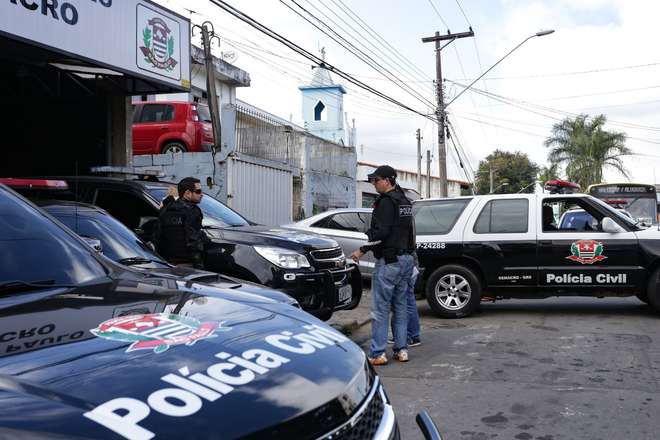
[[601, 59]]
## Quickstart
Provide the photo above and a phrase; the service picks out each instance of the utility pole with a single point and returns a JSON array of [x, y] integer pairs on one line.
[[419, 161], [208, 34], [440, 109], [428, 174]]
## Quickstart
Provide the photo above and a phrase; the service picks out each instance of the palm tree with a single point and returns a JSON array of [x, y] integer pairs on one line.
[[585, 149], [550, 172]]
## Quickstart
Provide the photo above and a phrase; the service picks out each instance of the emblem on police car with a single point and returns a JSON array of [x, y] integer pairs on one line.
[[587, 251], [157, 331], [158, 45]]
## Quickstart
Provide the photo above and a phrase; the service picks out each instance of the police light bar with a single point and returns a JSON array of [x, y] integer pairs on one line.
[[34, 183], [616, 201], [558, 186], [130, 171]]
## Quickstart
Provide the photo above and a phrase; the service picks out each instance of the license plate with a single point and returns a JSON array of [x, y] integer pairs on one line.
[[345, 293]]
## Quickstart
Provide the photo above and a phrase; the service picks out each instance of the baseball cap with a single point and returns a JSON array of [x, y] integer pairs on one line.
[[383, 172]]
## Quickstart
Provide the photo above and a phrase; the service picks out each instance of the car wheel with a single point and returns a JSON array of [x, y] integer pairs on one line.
[[323, 314], [453, 291], [652, 290], [174, 147]]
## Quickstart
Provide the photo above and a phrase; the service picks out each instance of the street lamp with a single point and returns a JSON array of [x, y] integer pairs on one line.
[[538, 34]]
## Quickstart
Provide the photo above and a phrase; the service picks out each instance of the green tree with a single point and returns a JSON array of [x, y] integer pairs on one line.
[[585, 149], [511, 173], [550, 172]]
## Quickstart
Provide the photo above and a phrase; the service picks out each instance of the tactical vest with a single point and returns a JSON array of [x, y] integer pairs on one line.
[[171, 239], [402, 239]]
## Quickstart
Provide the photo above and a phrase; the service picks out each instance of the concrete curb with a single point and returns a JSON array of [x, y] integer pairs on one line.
[[349, 327]]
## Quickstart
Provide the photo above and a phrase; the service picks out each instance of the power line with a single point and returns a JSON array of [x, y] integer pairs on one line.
[[320, 62], [438, 13], [372, 63], [463, 12], [578, 72]]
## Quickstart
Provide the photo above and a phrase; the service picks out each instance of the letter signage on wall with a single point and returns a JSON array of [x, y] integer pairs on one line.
[[135, 37]]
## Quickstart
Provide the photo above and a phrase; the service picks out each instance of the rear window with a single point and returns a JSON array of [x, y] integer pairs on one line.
[[437, 217], [157, 113], [503, 217]]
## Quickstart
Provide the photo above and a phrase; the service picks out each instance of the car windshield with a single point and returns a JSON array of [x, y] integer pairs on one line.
[[34, 249], [632, 222], [216, 214], [117, 241], [641, 209]]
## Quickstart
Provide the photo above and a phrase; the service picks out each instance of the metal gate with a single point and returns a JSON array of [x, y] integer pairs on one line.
[[260, 190]]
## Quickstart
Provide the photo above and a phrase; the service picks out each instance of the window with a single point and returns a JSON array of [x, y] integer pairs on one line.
[[124, 206], [156, 113], [319, 112], [575, 215], [33, 248], [348, 221], [437, 217], [503, 217]]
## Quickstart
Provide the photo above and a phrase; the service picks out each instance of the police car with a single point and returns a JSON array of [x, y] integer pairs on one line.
[[514, 246], [93, 349]]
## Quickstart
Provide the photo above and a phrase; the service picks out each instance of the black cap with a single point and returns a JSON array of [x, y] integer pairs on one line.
[[383, 171]]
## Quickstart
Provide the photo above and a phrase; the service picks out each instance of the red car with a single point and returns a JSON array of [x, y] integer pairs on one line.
[[171, 127]]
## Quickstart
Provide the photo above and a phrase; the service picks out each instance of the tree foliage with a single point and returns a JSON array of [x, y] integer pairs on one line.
[[514, 169], [585, 149]]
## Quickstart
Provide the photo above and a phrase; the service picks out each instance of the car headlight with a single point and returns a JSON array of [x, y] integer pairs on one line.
[[283, 257]]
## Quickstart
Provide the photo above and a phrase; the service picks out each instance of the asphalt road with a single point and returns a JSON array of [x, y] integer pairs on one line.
[[561, 368]]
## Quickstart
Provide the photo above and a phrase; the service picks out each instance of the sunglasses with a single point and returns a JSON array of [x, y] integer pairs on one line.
[[197, 191], [375, 179]]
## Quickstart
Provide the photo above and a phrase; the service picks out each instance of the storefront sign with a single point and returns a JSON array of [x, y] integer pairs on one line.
[[130, 36]]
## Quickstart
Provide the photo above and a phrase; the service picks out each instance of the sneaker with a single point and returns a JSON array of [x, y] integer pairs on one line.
[[414, 342], [378, 360], [390, 341], [401, 355]]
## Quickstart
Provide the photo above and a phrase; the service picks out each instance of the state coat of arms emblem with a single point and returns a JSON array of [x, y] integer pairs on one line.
[[587, 252], [156, 331]]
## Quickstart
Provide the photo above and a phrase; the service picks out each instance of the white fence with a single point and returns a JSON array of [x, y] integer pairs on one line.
[[261, 190]]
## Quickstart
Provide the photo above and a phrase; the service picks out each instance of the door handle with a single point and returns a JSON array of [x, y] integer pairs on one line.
[[545, 242], [163, 128]]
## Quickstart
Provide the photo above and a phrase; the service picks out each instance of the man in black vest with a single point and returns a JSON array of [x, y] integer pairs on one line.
[[179, 236], [392, 240]]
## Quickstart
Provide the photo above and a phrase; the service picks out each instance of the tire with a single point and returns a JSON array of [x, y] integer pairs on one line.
[[174, 147], [323, 315], [652, 291], [460, 302]]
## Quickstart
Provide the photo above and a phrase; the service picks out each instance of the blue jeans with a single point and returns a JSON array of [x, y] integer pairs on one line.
[[411, 308], [389, 288]]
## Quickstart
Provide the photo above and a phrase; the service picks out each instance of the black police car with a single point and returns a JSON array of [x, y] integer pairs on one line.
[[515, 246], [120, 244], [310, 268], [91, 349]]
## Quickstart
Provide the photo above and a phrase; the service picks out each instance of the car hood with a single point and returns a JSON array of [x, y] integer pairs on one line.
[[133, 360], [275, 236], [248, 292]]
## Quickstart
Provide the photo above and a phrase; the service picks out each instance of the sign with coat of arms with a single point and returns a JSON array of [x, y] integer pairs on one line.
[[158, 43], [587, 252]]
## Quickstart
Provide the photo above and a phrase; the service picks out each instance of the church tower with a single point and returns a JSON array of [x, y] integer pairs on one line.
[[323, 106]]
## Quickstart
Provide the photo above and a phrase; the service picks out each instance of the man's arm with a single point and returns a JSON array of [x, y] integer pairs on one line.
[[384, 215], [194, 236]]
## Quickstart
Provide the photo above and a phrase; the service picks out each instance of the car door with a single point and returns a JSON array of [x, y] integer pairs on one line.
[[501, 237], [577, 257], [153, 121], [349, 230]]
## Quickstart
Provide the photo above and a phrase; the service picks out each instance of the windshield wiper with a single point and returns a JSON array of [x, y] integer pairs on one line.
[[138, 260], [14, 286]]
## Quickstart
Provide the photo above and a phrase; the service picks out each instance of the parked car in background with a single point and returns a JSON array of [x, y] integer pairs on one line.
[[121, 245], [171, 127], [309, 267], [580, 220], [347, 226]]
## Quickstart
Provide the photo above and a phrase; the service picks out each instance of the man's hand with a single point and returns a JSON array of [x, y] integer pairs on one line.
[[355, 256]]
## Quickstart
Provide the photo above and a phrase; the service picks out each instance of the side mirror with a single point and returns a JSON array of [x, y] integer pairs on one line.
[[611, 226], [94, 243], [151, 245], [146, 226], [426, 425]]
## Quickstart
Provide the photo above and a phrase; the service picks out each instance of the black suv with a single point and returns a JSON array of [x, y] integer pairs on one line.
[[308, 267], [92, 349]]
